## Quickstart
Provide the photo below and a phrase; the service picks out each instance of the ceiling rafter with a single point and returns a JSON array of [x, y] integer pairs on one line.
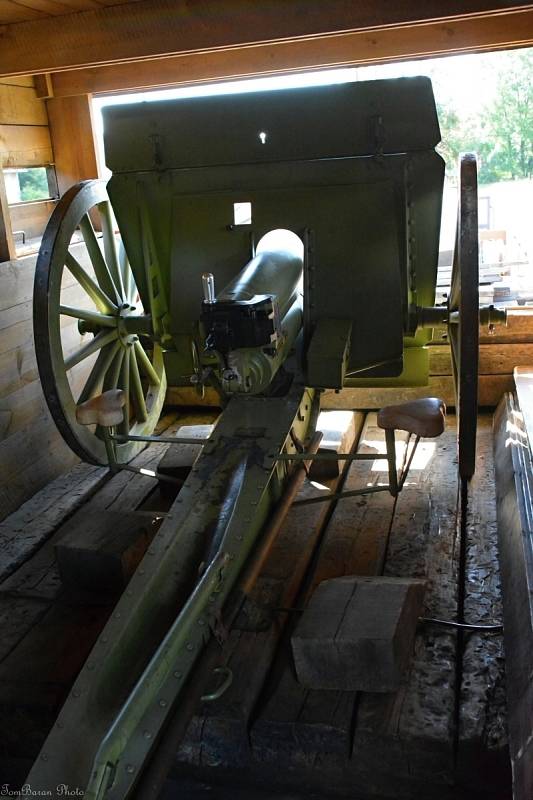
[[156, 28]]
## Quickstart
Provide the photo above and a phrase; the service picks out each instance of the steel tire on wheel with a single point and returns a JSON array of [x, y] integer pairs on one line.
[[463, 306]]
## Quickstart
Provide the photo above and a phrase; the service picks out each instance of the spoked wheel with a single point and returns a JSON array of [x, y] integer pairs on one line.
[[463, 307], [91, 330]]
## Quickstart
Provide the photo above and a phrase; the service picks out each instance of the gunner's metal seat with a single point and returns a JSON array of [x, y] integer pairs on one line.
[[424, 418]]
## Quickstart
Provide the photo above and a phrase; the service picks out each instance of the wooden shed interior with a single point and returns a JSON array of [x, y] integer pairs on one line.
[[56, 58]]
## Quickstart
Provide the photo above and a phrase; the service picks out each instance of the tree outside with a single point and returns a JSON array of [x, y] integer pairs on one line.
[[33, 184], [501, 133]]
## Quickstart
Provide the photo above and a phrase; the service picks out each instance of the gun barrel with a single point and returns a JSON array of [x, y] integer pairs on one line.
[[275, 272], [255, 320]]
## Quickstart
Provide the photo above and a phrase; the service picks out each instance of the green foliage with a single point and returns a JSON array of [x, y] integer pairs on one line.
[[502, 135], [511, 119], [33, 184]]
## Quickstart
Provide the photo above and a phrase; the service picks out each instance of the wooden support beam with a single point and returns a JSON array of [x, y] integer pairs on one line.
[[342, 50], [7, 245], [490, 391], [157, 28], [73, 140], [43, 85]]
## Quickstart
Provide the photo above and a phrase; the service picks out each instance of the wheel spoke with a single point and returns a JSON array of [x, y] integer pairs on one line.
[[94, 317], [99, 371], [127, 275], [99, 341], [99, 298], [110, 247], [137, 390], [146, 365], [113, 376], [101, 270], [124, 381]]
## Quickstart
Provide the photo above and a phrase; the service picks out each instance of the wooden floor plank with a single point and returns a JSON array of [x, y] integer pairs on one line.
[[219, 733], [313, 728], [39, 575], [38, 673], [415, 725], [17, 616], [403, 739], [483, 731], [48, 628], [23, 532], [267, 725]]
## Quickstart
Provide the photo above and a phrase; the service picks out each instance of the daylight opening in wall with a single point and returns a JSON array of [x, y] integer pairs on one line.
[[27, 184], [485, 105], [31, 193]]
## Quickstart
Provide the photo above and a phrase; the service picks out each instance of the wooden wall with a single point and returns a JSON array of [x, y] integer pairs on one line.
[[24, 142], [32, 451], [24, 134], [32, 132]]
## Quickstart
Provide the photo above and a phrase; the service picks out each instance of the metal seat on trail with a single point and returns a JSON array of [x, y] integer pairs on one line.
[[106, 409], [424, 418]]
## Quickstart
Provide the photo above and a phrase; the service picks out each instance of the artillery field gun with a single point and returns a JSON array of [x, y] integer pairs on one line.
[[341, 190]]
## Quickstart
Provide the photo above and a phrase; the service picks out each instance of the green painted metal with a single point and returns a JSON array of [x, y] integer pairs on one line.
[[328, 353], [362, 185], [272, 273], [320, 122], [141, 661]]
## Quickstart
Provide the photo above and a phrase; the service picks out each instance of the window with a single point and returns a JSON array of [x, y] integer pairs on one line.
[[29, 184]]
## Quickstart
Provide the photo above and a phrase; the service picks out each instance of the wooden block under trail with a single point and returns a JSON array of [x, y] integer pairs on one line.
[[323, 470], [101, 551], [357, 633]]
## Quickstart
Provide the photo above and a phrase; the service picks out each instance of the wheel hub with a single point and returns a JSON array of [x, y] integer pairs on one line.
[[125, 312]]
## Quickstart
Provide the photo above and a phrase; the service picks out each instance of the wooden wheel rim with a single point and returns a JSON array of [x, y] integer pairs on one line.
[[463, 307], [70, 211]]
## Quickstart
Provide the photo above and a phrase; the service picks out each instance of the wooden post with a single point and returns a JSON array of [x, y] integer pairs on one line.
[[73, 139], [7, 245]]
